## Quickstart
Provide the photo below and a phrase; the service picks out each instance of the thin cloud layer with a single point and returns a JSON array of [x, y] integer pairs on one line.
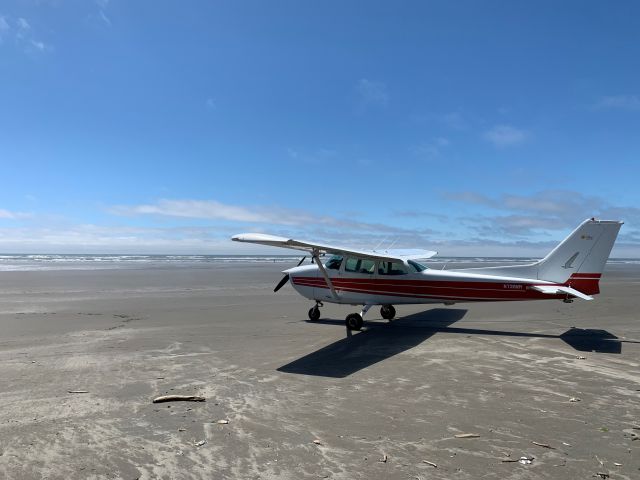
[[505, 136], [21, 33], [372, 92], [545, 210], [621, 102], [7, 214], [214, 210]]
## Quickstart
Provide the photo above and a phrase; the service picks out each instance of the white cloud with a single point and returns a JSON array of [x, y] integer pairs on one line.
[[547, 210], [564, 203], [23, 24], [6, 214], [623, 102], [39, 45], [104, 18], [214, 210], [4, 28], [23, 33], [431, 149], [114, 239], [505, 136], [372, 92], [319, 156], [454, 120]]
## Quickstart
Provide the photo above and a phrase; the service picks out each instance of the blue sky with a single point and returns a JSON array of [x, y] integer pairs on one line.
[[488, 128]]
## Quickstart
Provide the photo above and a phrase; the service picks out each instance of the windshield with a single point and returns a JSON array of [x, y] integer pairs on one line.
[[333, 263], [417, 266]]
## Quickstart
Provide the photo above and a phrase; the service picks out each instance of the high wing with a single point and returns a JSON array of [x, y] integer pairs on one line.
[[318, 248]]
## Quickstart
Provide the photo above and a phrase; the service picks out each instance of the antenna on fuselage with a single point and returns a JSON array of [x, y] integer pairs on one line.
[[380, 243]]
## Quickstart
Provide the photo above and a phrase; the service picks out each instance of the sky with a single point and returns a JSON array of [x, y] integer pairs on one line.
[[472, 128]]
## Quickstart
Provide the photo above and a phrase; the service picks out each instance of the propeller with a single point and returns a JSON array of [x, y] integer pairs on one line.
[[285, 279], [281, 283]]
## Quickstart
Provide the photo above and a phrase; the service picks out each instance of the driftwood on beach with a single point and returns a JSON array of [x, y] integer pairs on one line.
[[179, 398]]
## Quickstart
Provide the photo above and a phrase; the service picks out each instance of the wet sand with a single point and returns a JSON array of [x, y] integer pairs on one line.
[[378, 403]]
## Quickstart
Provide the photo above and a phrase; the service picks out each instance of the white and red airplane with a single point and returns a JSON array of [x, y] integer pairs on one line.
[[370, 277]]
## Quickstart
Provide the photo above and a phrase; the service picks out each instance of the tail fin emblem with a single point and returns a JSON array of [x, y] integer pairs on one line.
[[569, 263]]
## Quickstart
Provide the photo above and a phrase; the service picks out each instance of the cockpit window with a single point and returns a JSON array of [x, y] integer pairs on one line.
[[418, 267], [359, 265], [334, 263], [392, 268]]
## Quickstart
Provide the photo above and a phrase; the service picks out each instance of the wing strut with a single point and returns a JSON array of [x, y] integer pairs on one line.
[[316, 256]]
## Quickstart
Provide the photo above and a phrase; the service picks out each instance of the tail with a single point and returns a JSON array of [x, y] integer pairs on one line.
[[580, 259]]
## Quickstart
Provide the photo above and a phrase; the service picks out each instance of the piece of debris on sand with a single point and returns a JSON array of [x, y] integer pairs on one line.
[[200, 443], [467, 435], [430, 463], [544, 445], [179, 398], [317, 442], [78, 391], [222, 422], [574, 399], [384, 459]]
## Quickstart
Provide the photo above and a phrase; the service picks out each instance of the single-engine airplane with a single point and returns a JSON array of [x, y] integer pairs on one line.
[[372, 277]]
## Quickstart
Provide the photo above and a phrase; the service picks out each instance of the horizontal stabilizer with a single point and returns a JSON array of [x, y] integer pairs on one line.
[[556, 290]]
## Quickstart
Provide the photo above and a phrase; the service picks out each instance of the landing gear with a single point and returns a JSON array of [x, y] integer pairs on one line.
[[387, 312], [354, 321], [314, 312]]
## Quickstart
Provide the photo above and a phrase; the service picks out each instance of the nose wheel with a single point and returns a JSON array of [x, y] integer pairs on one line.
[[314, 312], [354, 321], [387, 312]]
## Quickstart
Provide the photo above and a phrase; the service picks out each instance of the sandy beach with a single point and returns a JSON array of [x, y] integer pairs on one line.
[[556, 383]]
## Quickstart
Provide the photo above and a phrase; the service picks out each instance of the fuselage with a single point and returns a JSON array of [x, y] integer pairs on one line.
[[427, 286]]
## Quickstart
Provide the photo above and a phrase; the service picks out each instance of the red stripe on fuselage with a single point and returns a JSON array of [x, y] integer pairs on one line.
[[428, 289], [586, 275], [458, 290]]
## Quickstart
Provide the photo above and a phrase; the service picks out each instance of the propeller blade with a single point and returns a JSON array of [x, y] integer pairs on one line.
[[281, 283], [300, 262]]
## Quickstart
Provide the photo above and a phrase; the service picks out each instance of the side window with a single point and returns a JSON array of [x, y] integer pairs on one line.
[[368, 266], [334, 263], [357, 265], [352, 264], [392, 268]]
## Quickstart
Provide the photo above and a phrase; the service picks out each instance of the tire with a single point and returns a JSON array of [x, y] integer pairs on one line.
[[354, 321], [388, 312], [314, 314]]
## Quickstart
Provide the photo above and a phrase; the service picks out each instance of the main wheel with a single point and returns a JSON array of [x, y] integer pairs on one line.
[[387, 312], [354, 321], [314, 314]]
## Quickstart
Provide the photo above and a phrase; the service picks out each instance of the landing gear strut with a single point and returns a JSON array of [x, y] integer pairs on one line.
[[314, 312], [387, 312]]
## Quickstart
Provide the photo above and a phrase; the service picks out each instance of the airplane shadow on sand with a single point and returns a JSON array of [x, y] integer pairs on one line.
[[380, 341]]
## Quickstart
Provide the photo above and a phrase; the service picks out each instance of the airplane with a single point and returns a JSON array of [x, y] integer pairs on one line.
[[386, 277]]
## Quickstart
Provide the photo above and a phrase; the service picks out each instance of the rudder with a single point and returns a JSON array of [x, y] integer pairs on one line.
[[580, 258]]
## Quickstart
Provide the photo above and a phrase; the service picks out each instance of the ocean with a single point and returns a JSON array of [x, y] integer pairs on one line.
[[39, 262]]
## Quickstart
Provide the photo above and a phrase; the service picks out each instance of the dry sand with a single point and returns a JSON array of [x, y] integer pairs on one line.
[[399, 392]]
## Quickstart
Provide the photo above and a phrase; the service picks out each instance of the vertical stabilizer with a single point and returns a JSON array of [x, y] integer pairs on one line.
[[580, 259]]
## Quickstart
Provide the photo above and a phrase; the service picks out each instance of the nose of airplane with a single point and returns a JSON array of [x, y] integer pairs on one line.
[[299, 270]]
